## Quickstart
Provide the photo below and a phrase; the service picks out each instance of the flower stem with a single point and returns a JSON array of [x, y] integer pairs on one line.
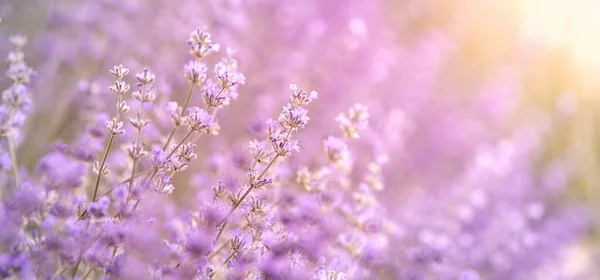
[[185, 105], [230, 257], [223, 246], [84, 248], [214, 112], [76, 265], [189, 96], [260, 177], [11, 145], [13, 159], [239, 202], [223, 225], [101, 168], [170, 137], [108, 146], [180, 143], [137, 145], [61, 272], [88, 273], [114, 254]]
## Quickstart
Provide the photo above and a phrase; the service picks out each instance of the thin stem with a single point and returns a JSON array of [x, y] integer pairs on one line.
[[13, 159], [114, 254], [223, 246], [239, 202], [137, 203], [151, 175], [223, 225], [11, 146], [101, 168], [189, 97], [137, 145], [88, 273], [77, 265], [214, 112], [180, 143], [110, 141], [119, 99], [137, 175], [225, 220], [185, 105], [84, 248], [262, 174], [62, 272], [230, 257], [170, 137]]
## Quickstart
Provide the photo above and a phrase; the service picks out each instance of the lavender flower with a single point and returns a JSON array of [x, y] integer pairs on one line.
[[195, 72], [199, 121], [260, 150], [226, 78], [293, 117], [201, 44], [421, 179]]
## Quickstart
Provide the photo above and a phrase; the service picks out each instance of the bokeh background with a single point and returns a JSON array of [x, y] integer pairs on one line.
[[466, 96]]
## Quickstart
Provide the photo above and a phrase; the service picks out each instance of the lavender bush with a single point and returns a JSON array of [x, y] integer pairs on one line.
[[125, 155]]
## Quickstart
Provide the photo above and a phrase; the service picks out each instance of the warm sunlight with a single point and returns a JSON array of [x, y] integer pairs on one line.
[[154, 139], [572, 26]]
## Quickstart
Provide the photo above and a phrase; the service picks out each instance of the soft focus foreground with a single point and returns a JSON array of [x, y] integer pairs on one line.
[[186, 140]]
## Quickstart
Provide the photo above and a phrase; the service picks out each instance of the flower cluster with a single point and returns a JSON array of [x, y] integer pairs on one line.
[[175, 165], [15, 100]]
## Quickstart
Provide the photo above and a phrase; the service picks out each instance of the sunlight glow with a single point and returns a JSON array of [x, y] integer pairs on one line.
[[572, 26]]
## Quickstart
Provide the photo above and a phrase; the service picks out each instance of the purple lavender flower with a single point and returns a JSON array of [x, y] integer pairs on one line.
[[226, 78], [199, 120], [195, 72], [434, 180], [61, 172]]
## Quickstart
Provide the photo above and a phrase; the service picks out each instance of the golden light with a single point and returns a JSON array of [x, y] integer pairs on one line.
[[572, 26]]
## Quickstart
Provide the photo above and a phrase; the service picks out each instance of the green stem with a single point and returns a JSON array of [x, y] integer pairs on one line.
[[180, 143], [88, 273], [13, 159], [223, 246], [114, 254], [11, 146], [239, 202], [151, 175], [61, 272], [224, 222], [76, 265], [189, 96], [223, 225], [101, 168], [137, 144], [262, 174], [84, 248], [185, 105], [214, 112], [230, 257], [108, 146], [170, 137]]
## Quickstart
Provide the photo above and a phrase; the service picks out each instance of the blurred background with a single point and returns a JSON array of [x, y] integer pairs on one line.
[[466, 96]]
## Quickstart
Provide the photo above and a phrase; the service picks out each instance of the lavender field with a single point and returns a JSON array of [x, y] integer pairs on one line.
[[310, 139]]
